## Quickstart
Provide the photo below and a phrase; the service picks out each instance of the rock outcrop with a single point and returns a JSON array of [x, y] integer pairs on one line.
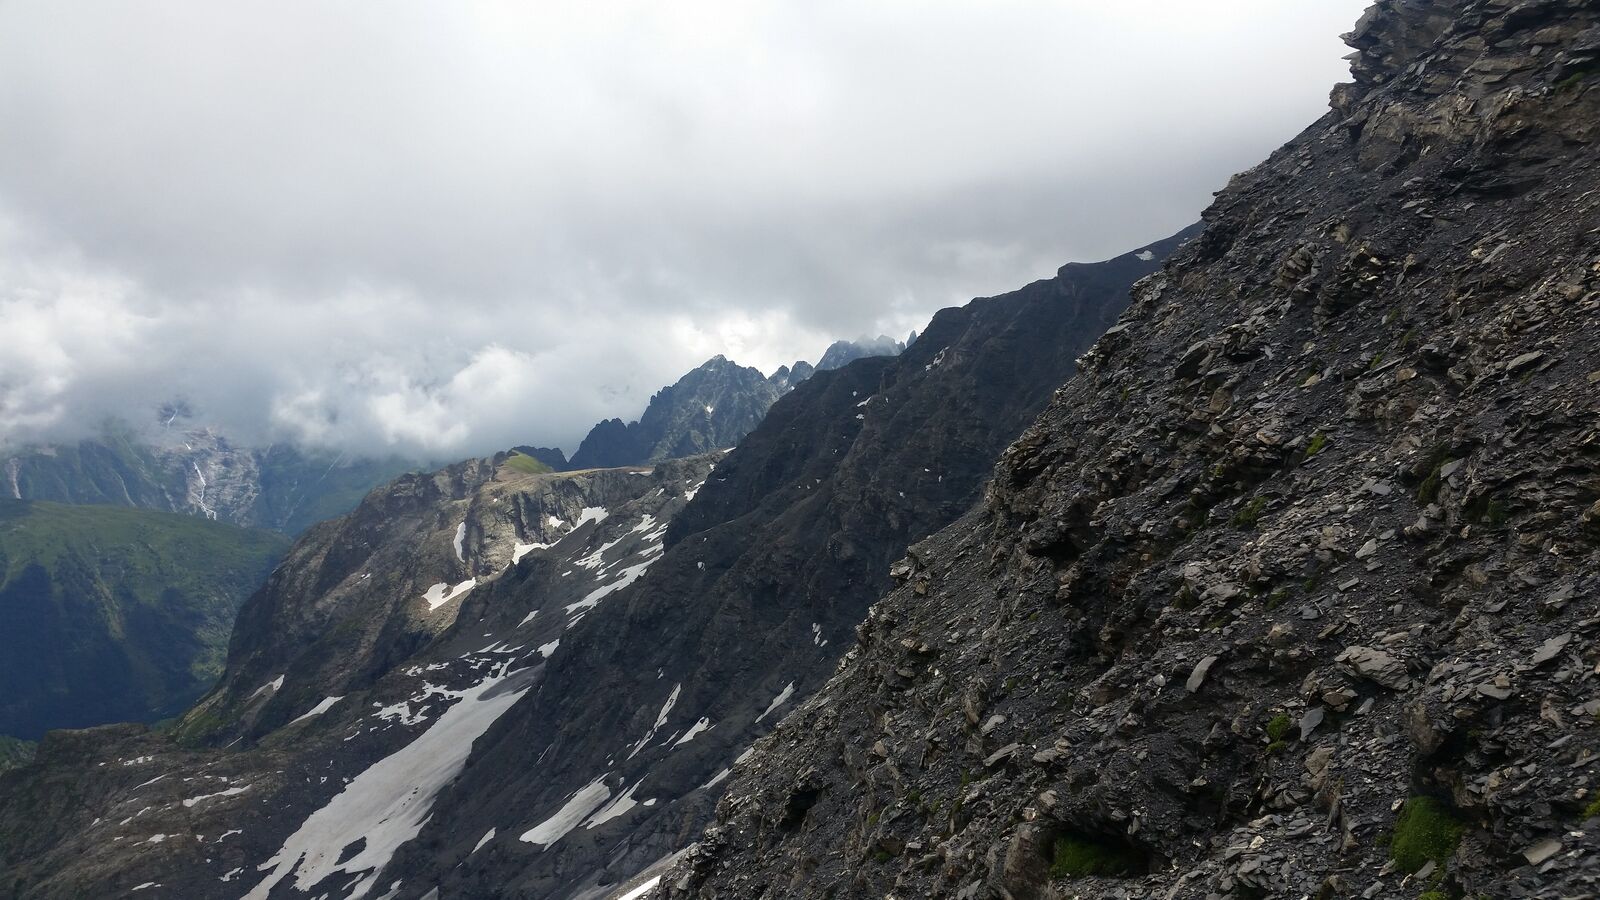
[[1291, 591]]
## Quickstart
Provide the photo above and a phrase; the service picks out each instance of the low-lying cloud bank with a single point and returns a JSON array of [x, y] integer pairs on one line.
[[441, 230]]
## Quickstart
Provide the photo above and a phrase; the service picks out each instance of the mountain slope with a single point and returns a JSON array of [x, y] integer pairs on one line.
[[308, 737], [115, 614], [1290, 592]]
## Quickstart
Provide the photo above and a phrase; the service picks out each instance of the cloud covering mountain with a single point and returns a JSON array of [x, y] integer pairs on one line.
[[438, 231]]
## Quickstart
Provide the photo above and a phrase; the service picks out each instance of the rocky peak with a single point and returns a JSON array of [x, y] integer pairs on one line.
[[711, 407]]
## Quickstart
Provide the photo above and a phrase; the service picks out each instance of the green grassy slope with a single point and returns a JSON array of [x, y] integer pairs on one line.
[[116, 614]]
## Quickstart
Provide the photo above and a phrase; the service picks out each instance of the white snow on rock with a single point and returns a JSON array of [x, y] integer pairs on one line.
[[661, 719], [461, 540], [326, 704], [274, 686], [489, 836], [781, 699], [388, 803], [703, 725], [591, 514], [625, 577], [577, 808], [518, 551], [442, 593], [615, 808], [1145, 255], [639, 892], [230, 792], [546, 649]]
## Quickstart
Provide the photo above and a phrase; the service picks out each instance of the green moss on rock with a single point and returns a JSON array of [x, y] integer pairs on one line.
[[1077, 856], [1426, 829]]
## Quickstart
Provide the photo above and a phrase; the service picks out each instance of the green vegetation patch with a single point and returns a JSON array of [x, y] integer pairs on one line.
[[116, 614], [1318, 442], [1426, 829], [15, 753], [1077, 856], [527, 465], [1250, 513], [1279, 727]]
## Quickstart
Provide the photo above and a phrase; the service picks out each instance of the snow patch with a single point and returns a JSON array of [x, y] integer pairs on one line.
[[388, 803], [518, 551], [326, 704], [461, 540], [703, 725], [442, 593], [639, 892], [274, 686], [577, 808], [1145, 255], [230, 792], [661, 719], [781, 699], [615, 808]]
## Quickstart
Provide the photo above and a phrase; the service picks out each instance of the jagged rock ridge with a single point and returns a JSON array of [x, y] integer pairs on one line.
[[711, 408], [1290, 593]]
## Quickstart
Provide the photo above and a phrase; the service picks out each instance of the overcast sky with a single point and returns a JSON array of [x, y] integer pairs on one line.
[[448, 227]]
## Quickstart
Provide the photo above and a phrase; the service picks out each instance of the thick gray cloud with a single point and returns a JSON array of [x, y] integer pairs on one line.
[[445, 228]]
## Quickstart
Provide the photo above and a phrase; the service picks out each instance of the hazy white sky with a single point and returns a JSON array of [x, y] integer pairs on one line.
[[444, 228]]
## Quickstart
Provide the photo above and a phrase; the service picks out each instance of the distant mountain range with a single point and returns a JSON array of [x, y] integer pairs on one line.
[[196, 471]]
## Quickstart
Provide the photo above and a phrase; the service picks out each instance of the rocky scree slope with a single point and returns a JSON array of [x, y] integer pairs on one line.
[[639, 714], [114, 614], [328, 771], [1292, 591]]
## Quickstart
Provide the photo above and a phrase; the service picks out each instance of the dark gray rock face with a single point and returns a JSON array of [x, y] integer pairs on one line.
[[710, 408], [1290, 592]]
